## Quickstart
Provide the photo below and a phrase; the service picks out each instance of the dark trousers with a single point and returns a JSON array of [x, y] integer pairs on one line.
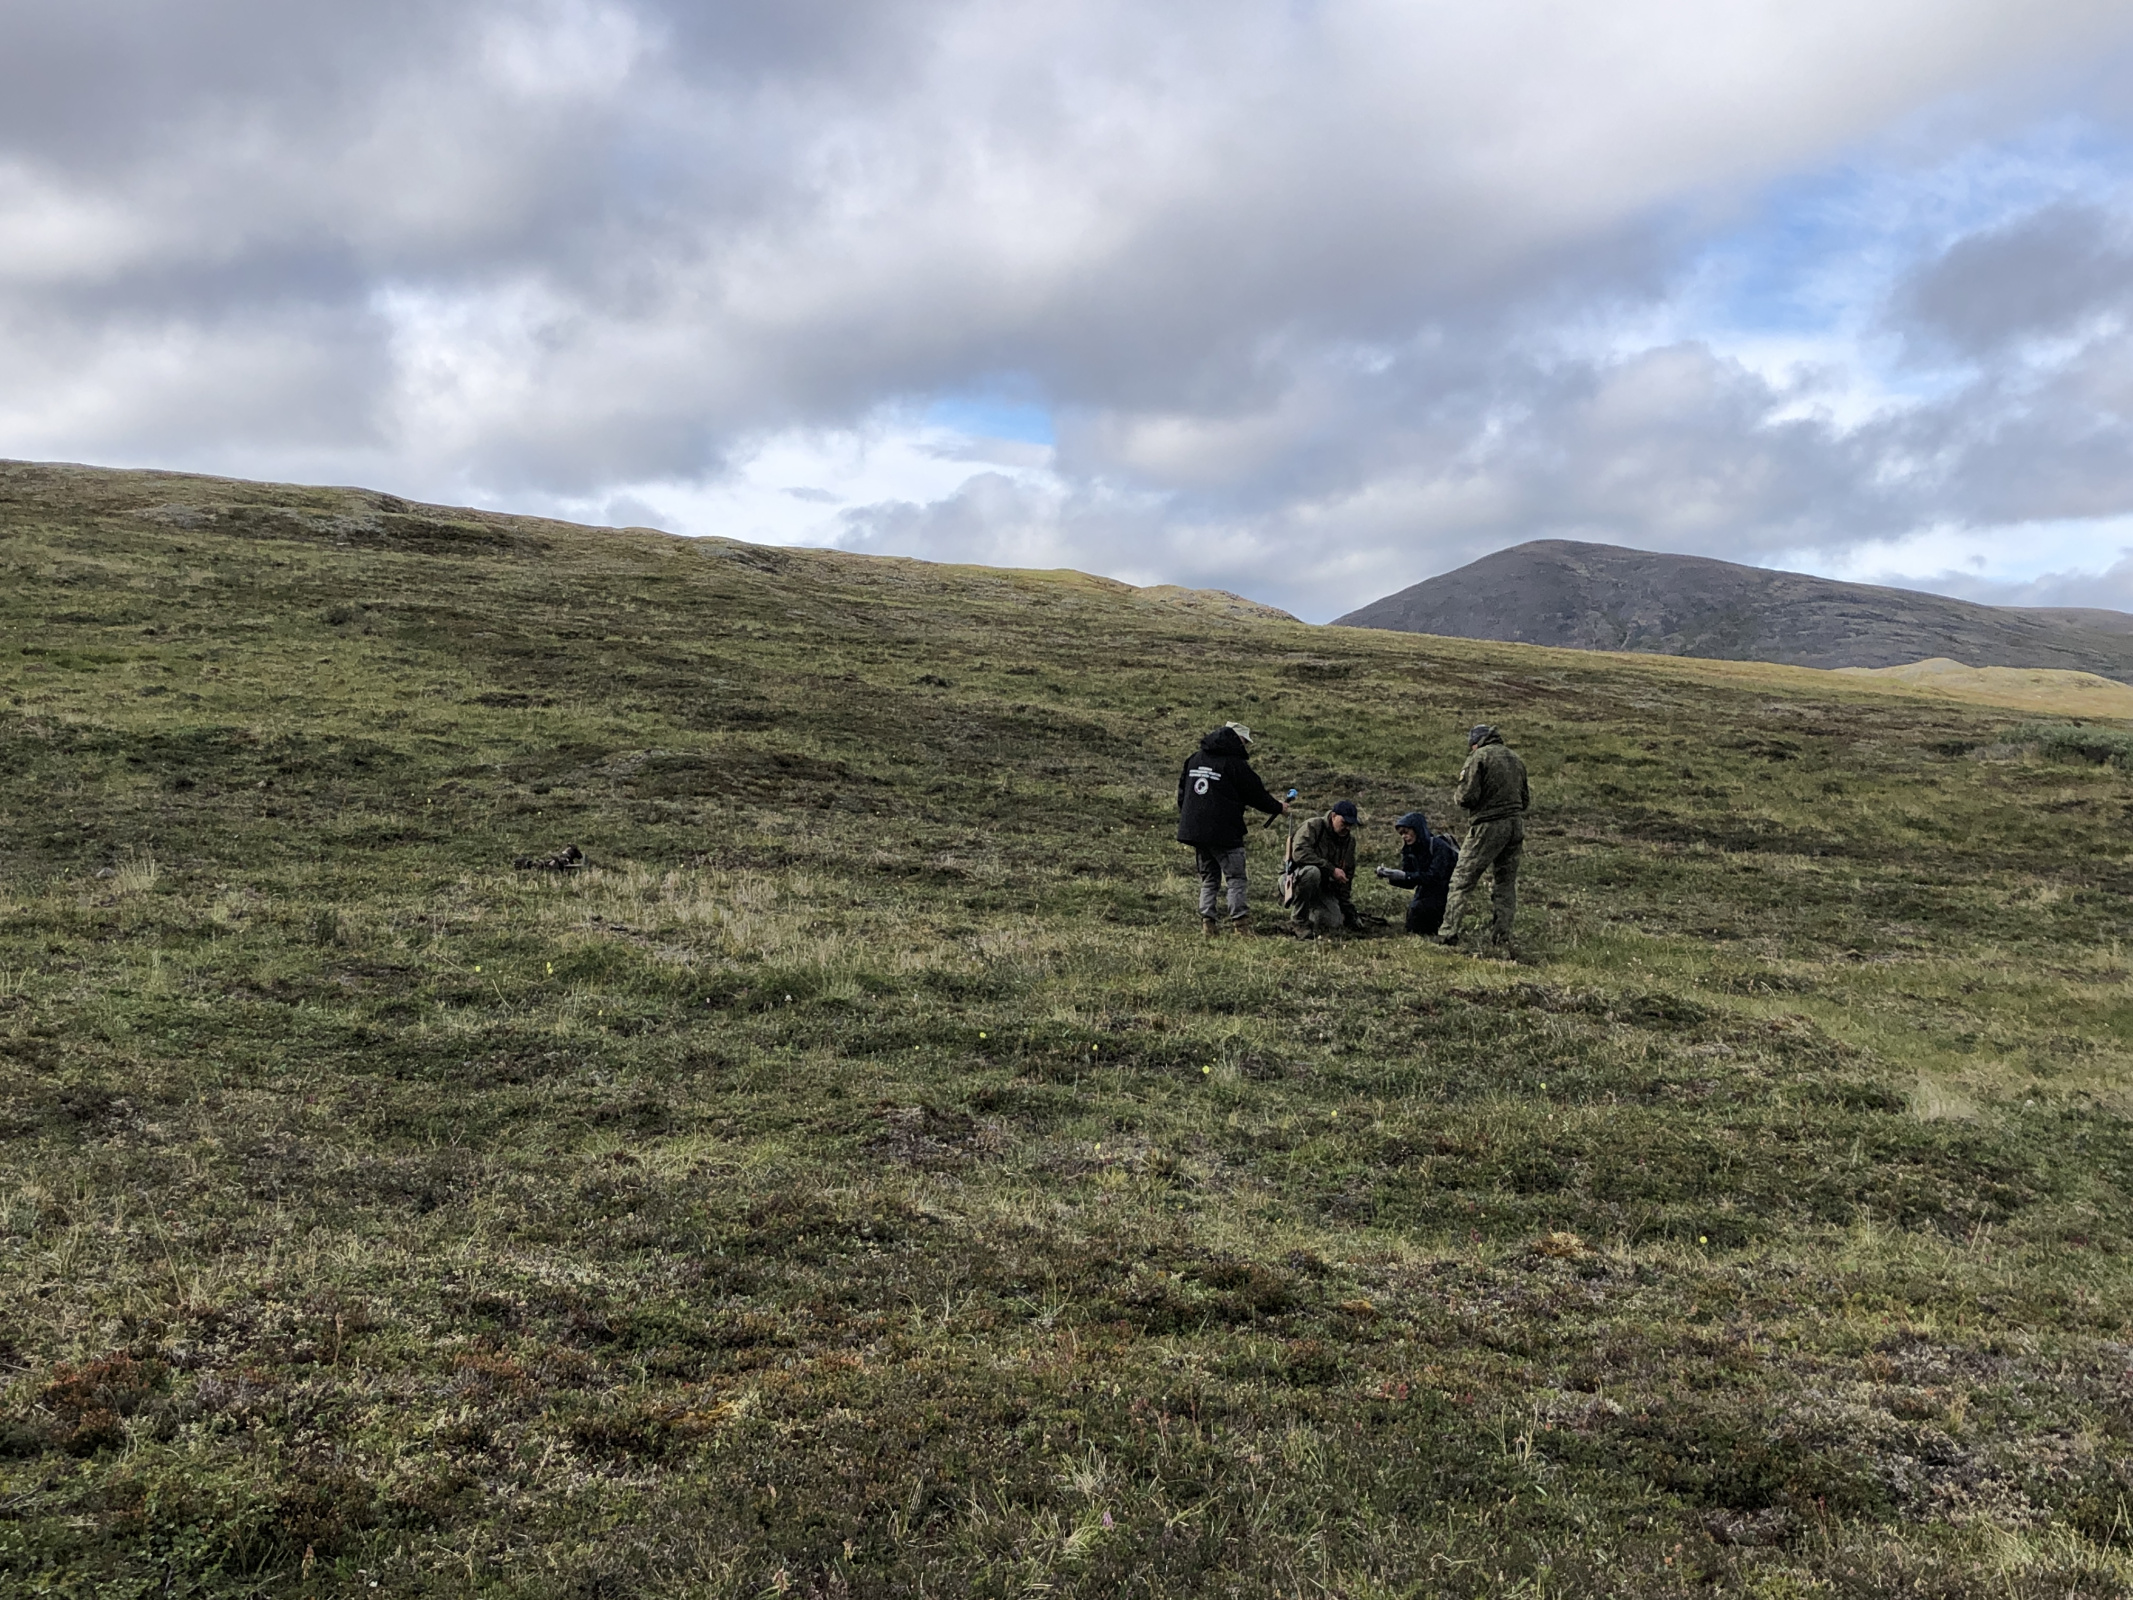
[[1425, 912]]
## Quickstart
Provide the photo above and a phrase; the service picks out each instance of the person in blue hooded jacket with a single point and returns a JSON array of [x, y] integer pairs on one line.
[[1426, 862]]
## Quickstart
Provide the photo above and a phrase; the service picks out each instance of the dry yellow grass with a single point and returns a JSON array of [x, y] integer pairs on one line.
[[2034, 689], [2072, 694]]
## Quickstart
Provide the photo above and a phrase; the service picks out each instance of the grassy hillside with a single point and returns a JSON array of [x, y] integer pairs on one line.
[[864, 1180], [2065, 694]]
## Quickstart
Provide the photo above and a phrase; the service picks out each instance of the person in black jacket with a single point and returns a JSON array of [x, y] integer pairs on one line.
[[1426, 862], [1217, 784]]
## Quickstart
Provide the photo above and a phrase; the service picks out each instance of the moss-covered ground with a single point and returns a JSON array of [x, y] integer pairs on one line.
[[863, 1179]]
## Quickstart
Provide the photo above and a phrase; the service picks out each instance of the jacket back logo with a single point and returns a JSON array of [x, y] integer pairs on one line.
[[1202, 777]]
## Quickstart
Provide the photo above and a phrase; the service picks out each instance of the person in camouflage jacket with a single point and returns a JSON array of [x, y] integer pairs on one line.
[[1322, 871], [1493, 792]]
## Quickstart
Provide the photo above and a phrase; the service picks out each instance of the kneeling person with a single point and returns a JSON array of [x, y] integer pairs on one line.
[[1426, 863], [1322, 871]]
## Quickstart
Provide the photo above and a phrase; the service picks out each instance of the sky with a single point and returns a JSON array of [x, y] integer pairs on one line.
[[1304, 299]]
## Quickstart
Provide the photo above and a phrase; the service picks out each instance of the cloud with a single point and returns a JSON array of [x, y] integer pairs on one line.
[[1316, 298], [2041, 276], [2110, 589]]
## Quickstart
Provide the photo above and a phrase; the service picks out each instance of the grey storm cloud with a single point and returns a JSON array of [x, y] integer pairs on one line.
[[1294, 276], [2041, 276]]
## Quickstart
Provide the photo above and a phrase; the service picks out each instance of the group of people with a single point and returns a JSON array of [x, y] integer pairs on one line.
[[1218, 786]]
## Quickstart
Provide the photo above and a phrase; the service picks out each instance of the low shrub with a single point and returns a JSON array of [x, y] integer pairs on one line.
[[2077, 741]]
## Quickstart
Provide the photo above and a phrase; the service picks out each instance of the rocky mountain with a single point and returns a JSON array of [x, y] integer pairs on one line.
[[1602, 597], [2079, 617]]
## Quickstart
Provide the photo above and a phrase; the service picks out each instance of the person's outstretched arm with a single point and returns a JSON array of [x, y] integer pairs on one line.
[[1258, 796]]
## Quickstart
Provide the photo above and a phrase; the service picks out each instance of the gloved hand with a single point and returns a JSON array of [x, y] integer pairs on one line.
[[1384, 872]]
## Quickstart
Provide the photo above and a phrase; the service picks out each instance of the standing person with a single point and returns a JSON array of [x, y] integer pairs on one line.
[[1217, 784], [1426, 863], [1492, 792], [1322, 872]]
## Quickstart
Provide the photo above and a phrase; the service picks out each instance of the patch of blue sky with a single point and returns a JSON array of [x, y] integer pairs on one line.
[[1825, 247], [992, 416], [1799, 286]]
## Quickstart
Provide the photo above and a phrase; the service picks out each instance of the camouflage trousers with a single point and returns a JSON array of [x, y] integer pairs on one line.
[[1322, 901], [1494, 848]]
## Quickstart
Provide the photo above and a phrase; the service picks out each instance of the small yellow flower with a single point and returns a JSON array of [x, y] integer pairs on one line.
[[1703, 1238], [477, 969]]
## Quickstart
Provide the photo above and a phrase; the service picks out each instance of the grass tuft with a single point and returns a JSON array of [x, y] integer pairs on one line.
[[136, 872], [1936, 1101]]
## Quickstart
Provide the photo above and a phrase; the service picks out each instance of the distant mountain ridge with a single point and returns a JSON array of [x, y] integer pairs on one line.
[[1604, 597], [2078, 617]]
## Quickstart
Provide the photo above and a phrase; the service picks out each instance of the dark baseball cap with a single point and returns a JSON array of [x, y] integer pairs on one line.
[[1344, 808]]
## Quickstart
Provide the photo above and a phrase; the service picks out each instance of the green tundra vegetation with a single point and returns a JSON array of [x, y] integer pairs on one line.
[[861, 1178]]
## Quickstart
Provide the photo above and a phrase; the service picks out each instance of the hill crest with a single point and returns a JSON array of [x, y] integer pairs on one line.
[[1604, 597]]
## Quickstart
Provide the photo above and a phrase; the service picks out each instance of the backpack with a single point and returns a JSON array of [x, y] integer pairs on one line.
[[1443, 858]]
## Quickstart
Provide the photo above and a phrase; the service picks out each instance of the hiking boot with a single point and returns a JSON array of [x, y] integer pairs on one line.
[[1241, 922], [1207, 926], [1450, 941]]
